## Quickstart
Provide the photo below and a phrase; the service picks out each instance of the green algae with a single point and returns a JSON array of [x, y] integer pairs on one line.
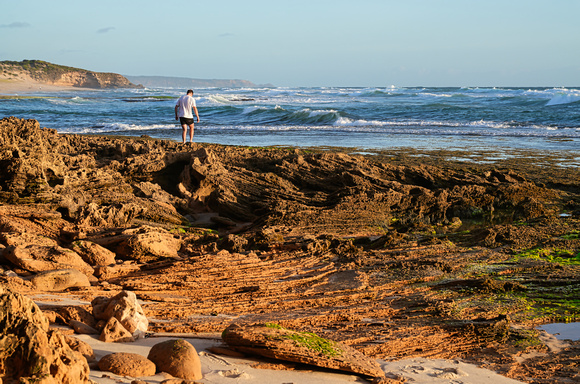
[[309, 340], [552, 255]]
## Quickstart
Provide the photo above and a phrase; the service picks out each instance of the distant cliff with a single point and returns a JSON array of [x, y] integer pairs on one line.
[[47, 73], [186, 82]]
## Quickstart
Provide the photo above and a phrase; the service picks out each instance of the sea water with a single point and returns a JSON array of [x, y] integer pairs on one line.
[[546, 119], [563, 331]]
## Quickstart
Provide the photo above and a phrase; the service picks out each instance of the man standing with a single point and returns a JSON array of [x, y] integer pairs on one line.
[[183, 113]]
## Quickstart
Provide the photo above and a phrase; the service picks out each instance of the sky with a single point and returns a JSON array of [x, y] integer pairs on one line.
[[366, 43]]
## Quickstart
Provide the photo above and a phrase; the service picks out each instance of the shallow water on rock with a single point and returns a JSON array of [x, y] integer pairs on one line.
[[563, 331]]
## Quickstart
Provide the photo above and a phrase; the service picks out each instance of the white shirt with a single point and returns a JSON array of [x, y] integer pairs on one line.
[[185, 104]]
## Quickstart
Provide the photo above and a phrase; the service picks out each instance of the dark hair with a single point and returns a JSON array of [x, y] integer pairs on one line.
[[190, 91]]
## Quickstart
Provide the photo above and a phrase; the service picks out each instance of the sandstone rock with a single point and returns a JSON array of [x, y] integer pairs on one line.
[[273, 341], [114, 215], [234, 243], [31, 352], [60, 279], [77, 313], [93, 254], [127, 364], [112, 271], [82, 328], [147, 244], [37, 258], [125, 308], [178, 358], [80, 346], [114, 332]]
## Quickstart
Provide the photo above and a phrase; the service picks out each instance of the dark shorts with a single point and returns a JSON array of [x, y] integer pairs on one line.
[[186, 120]]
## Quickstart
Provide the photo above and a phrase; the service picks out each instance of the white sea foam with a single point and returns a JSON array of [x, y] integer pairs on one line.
[[345, 122], [118, 127], [253, 108], [564, 96]]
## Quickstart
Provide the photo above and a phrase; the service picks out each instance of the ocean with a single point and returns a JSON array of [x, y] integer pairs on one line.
[[504, 119]]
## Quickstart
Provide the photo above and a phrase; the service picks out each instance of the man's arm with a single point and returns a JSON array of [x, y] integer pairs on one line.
[[176, 109], [196, 114]]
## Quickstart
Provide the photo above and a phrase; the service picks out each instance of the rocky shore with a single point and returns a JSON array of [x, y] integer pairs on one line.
[[392, 255]]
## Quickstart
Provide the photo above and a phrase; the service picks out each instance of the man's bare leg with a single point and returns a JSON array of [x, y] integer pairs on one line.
[[190, 134], [184, 128]]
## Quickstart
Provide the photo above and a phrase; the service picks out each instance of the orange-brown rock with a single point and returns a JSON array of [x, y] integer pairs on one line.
[[32, 353], [273, 341], [178, 358], [127, 364]]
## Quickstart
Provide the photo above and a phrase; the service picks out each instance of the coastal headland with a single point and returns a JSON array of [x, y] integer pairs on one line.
[[38, 75], [396, 254], [29, 76]]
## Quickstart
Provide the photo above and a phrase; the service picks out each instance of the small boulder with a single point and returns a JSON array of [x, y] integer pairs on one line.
[[114, 332], [178, 358], [60, 279], [146, 244], [125, 308], [127, 364], [82, 328], [78, 313], [93, 254]]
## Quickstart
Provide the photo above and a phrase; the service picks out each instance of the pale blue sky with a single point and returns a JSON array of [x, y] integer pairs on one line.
[[306, 43]]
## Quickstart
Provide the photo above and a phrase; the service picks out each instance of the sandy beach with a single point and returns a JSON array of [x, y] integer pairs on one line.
[[438, 270], [219, 369], [22, 87]]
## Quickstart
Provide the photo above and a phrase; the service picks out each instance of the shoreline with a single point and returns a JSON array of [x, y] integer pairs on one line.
[[17, 87]]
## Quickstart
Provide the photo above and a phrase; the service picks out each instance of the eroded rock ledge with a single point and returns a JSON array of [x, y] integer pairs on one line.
[[99, 181]]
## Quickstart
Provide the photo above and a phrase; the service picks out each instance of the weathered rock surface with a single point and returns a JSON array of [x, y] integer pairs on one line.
[[125, 308], [146, 244], [36, 258], [83, 328], [127, 364], [275, 342], [32, 353], [60, 279], [324, 241], [93, 254], [82, 347], [114, 332], [178, 358]]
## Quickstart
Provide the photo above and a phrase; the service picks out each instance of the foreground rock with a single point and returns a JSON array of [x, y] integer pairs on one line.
[[60, 279], [39, 254], [93, 254], [178, 358], [126, 309], [273, 341], [127, 364], [30, 352]]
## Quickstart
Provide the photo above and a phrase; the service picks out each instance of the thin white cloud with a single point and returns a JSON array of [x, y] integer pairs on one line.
[[16, 24], [227, 34], [105, 30]]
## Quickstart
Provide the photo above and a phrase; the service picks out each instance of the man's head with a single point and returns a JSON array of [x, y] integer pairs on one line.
[[190, 92]]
